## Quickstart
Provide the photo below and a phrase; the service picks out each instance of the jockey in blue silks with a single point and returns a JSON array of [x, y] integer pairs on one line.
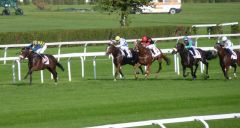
[[189, 44], [38, 46]]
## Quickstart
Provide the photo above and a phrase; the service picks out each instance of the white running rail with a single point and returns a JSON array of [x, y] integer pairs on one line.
[[162, 122]]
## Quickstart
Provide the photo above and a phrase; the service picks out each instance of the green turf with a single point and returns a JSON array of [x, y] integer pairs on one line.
[[88, 102], [53, 20]]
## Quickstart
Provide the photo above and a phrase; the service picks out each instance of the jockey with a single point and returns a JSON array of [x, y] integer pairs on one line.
[[228, 45], [189, 44], [149, 43], [123, 45], [38, 46]]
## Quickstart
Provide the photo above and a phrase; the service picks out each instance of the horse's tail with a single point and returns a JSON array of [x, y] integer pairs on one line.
[[60, 66], [211, 54], [166, 59]]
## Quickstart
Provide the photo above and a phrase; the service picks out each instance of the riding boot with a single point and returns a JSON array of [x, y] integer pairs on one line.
[[126, 54]]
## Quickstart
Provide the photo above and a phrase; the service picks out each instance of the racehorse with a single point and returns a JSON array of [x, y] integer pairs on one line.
[[145, 58], [188, 61], [35, 63], [119, 59], [226, 61]]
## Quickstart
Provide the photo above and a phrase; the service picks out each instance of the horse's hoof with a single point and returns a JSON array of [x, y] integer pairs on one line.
[[230, 78], [115, 80], [56, 83]]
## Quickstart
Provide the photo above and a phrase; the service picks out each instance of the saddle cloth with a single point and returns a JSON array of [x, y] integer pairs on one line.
[[156, 52], [45, 60], [197, 56], [234, 55]]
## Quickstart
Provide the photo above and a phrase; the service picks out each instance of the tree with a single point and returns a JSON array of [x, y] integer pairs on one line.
[[123, 7]]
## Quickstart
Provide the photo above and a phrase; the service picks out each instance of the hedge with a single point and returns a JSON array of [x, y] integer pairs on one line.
[[88, 34]]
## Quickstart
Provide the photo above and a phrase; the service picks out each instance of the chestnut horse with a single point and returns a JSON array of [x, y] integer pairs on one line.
[[188, 61], [226, 61], [35, 63], [119, 59], [145, 58]]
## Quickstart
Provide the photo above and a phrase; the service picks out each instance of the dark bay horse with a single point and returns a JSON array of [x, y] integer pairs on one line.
[[145, 58], [35, 63], [188, 61], [226, 61], [119, 59]]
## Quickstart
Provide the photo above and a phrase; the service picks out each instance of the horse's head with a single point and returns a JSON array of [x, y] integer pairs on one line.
[[218, 46], [178, 48], [25, 52], [110, 49]]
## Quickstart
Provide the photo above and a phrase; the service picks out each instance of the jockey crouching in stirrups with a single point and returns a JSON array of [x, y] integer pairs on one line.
[[39, 47], [149, 43], [228, 45], [190, 45], [123, 45]]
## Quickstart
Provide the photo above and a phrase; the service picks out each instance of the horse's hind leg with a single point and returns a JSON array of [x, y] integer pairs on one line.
[[54, 73], [159, 68], [195, 71], [206, 64], [235, 69]]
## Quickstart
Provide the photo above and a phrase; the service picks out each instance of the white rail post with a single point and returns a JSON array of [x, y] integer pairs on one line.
[[13, 69], [69, 69], [19, 70], [113, 66], [175, 63], [203, 122], [85, 50], [82, 62], [5, 55], [94, 68], [178, 68], [59, 51], [160, 124], [42, 76]]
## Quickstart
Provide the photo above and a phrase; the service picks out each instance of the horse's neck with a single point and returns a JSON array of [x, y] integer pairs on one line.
[[222, 52], [116, 52], [184, 53], [143, 51]]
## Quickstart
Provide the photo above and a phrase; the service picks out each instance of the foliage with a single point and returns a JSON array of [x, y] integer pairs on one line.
[[124, 7], [86, 34]]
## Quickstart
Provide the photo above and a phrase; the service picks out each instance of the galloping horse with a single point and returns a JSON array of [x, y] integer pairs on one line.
[[226, 61], [35, 63], [188, 61], [119, 59], [145, 58]]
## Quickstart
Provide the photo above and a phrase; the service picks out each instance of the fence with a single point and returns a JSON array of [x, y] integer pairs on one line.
[[162, 122], [96, 54]]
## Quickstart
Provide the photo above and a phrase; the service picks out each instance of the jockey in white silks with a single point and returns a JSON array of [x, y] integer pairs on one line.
[[123, 45], [229, 47]]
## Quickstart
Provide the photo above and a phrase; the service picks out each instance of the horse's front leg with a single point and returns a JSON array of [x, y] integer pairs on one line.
[[147, 71], [27, 74], [184, 72], [136, 66], [117, 71], [120, 71]]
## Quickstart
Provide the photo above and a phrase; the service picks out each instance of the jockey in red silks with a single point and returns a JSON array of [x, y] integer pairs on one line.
[[149, 43]]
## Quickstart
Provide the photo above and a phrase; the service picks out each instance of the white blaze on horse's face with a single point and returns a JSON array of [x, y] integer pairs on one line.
[[174, 50]]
